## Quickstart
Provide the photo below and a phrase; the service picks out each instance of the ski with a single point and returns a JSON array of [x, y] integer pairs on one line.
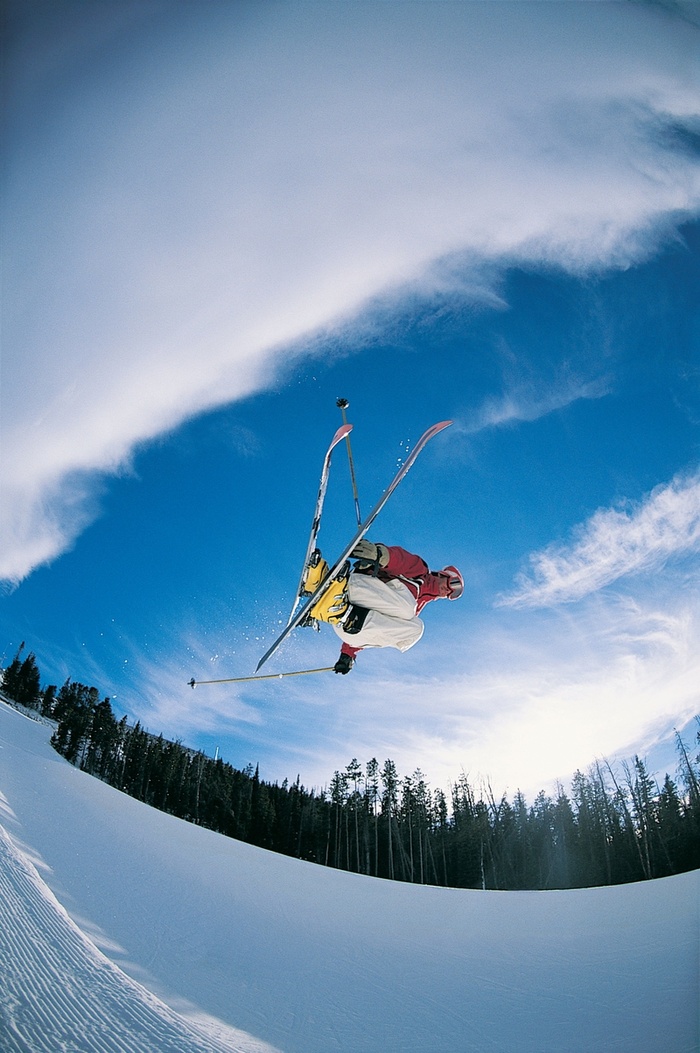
[[303, 611], [342, 433]]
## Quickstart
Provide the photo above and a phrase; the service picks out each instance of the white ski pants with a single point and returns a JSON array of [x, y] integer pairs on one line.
[[392, 620]]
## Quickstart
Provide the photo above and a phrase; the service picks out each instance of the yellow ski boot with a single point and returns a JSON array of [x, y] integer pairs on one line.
[[316, 570], [334, 603]]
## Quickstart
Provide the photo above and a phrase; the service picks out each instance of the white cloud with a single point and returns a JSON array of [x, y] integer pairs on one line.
[[521, 403], [185, 203], [613, 543], [538, 696], [518, 698], [152, 685]]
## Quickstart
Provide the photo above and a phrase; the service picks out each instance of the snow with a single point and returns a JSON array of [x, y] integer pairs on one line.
[[126, 929]]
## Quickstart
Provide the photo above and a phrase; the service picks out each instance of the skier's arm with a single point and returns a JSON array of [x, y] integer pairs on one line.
[[346, 658], [405, 564]]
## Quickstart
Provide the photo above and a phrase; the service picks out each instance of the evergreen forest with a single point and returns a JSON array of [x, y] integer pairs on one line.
[[612, 826]]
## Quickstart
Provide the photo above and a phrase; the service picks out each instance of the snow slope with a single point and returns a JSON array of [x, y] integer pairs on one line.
[[126, 929]]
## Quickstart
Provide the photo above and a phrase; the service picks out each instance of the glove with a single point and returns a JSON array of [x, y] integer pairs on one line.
[[370, 552], [344, 664]]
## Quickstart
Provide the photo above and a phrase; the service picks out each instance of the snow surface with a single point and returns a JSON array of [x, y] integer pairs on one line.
[[125, 929]]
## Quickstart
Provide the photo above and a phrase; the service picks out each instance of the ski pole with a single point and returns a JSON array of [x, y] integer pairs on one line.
[[266, 676], [342, 405]]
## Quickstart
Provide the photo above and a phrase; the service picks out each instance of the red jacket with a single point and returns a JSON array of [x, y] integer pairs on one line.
[[415, 575]]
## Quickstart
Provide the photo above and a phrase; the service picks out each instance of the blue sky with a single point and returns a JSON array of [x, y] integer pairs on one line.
[[218, 218]]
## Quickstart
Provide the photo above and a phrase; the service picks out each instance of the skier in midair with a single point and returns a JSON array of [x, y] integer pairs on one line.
[[323, 588], [386, 591]]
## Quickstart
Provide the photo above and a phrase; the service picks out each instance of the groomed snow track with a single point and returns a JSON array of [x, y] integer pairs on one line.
[[124, 929]]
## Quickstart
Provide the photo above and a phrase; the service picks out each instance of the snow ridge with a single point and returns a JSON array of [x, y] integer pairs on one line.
[[214, 945], [59, 992]]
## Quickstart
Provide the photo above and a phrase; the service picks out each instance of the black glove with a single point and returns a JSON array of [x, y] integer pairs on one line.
[[344, 664]]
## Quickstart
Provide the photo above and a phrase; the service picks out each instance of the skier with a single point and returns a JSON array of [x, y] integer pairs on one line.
[[386, 591], [323, 588]]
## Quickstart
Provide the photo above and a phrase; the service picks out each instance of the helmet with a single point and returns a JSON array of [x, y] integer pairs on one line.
[[456, 582]]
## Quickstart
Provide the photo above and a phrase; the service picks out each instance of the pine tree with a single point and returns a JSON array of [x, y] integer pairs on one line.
[[671, 827], [21, 680], [422, 812], [565, 841], [338, 792], [353, 774], [10, 676], [48, 700], [441, 825], [371, 799], [390, 779], [689, 770], [75, 705], [104, 738]]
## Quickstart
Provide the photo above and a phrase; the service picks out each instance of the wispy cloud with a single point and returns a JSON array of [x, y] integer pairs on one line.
[[537, 697], [614, 542], [523, 403], [152, 686], [171, 227], [516, 697]]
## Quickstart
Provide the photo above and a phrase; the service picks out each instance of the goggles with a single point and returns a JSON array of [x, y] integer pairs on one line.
[[455, 580]]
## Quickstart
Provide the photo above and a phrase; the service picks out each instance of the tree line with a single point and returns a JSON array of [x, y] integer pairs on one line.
[[613, 826]]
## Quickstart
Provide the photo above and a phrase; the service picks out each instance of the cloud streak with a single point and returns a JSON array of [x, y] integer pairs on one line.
[[173, 226], [523, 404], [531, 703], [614, 543]]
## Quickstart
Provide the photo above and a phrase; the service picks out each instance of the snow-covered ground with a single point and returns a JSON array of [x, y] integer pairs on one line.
[[124, 929]]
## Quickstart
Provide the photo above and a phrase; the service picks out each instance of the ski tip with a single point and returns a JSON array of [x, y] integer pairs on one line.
[[342, 433], [436, 429]]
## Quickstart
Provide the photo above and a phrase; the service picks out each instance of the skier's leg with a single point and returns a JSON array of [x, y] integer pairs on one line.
[[380, 630], [387, 597]]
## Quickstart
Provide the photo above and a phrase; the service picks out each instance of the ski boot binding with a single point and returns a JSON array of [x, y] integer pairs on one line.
[[333, 605]]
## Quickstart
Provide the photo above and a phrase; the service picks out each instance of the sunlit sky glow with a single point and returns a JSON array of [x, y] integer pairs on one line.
[[217, 219]]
